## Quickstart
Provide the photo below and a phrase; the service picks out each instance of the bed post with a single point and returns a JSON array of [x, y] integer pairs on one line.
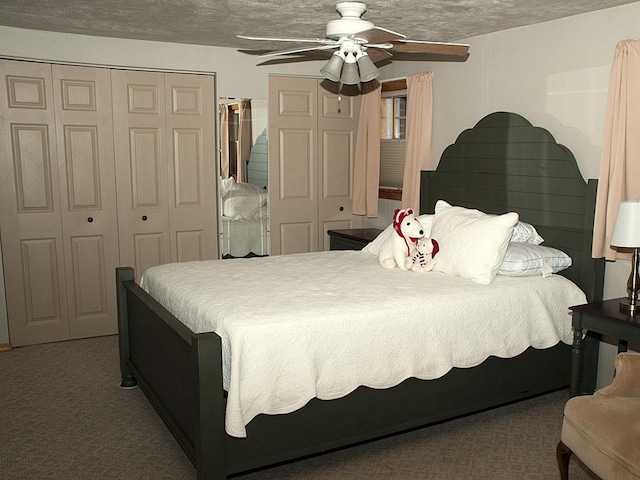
[[124, 274], [596, 265], [210, 449]]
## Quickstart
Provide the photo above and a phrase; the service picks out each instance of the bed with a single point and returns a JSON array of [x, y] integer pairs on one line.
[[244, 221], [503, 164]]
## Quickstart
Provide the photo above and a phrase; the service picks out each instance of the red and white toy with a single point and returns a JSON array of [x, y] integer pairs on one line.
[[398, 249], [422, 257]]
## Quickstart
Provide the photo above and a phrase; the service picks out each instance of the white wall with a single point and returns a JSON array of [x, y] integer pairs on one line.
[[555, 74], [237, 74]]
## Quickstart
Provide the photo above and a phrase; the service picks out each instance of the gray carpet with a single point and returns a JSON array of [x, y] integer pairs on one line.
[[63, 416]]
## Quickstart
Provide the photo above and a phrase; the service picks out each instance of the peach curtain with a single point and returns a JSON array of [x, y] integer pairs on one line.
[[418, 136], [244, 139], [224, 140], [620, 161], [366, 169]]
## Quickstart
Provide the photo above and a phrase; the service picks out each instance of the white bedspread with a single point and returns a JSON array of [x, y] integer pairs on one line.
[[295, 327], [239, 238]]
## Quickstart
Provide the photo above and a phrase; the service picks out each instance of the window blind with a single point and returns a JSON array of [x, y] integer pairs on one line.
[[392, 154]]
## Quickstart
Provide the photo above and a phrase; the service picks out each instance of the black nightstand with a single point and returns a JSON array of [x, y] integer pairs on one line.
[[351, 239], [599, 318]]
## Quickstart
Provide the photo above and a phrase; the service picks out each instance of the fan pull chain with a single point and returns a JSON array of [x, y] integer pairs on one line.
[[339, 96]]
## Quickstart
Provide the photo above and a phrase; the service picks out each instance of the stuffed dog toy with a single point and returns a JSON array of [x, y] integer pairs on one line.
[[399, 247], [422, 257]]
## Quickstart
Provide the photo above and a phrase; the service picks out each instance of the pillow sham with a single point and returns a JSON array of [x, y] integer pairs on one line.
[[472, 243], [526, 260], [526, 233], [373, 247]]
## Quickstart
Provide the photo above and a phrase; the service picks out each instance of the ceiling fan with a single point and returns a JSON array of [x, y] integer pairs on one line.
[[359, 44]]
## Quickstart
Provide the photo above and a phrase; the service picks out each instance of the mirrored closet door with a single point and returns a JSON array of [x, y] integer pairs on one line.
[[243, 167]]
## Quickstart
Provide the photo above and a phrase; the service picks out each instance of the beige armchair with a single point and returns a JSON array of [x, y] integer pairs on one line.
[[603, 429]]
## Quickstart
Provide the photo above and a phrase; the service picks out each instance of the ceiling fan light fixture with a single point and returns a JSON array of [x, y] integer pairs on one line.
[[360, 44], [333, 68], [350, 75], [350, 20], [368, 71]]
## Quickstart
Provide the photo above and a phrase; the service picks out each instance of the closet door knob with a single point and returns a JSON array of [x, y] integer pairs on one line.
[[144, 218], [342, 209], [90, 219]]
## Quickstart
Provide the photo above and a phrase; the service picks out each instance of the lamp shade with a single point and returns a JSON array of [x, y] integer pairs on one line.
[[626, 232], [350, 74], [333, 68], [368, 71]]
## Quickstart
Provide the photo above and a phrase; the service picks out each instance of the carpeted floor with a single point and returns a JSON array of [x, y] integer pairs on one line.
[[63, 416]]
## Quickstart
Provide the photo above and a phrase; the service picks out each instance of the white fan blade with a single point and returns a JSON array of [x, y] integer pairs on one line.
[[298, 50], [294, 40]]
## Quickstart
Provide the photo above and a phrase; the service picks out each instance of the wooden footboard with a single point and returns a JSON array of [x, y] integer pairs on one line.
[[181, 374]]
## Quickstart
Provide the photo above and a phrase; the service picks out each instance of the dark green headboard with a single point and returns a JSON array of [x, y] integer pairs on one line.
[[504, 164]]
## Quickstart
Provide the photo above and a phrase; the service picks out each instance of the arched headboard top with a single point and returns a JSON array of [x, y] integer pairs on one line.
[[505, 164]]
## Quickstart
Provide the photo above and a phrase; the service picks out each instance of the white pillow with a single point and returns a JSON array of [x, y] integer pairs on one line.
[[225, 185], [526, 233], [526, 259], [472, 243], [243, 201], [373, 247]]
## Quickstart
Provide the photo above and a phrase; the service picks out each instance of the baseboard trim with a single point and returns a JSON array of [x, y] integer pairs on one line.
[[5, 347]]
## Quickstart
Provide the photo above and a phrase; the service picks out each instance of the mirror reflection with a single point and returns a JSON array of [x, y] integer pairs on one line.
[[243, 188]]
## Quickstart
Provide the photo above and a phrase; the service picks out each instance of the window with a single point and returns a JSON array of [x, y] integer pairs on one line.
[[393, 112], [393, 121]]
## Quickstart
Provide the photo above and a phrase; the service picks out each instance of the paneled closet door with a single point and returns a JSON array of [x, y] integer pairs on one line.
[[88, 203], [30, 219], [312, 135], [337, 129], [293, 167], [141, 168], [190, 101]]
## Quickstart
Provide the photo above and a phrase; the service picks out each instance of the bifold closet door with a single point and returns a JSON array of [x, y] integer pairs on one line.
[[32, 244], [98, 168], [293, 164], [141, 169], [58, 202], [312, 136], [191, 149], [337, 132], [165, 167], [84, 130]]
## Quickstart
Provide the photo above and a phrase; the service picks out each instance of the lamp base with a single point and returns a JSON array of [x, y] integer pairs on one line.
[[630, 304], [630, 308]]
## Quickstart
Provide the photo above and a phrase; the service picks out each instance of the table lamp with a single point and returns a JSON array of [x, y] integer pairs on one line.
[[626, 235]]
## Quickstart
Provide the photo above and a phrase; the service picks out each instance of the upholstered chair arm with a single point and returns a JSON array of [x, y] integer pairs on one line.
[[626, 383]]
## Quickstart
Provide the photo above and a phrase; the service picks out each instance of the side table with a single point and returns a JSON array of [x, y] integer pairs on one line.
[[600, 318], [351, 239]]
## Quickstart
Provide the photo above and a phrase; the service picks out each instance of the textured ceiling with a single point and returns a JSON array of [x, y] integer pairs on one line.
[[216, 22]]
